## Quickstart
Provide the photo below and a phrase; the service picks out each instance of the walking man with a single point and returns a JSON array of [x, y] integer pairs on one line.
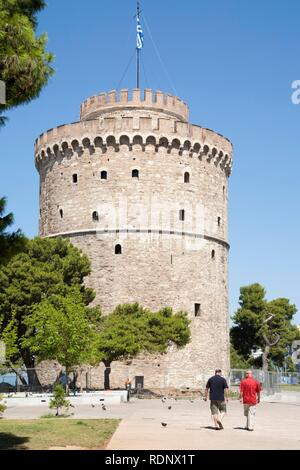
[[217, 387], [249, 396]]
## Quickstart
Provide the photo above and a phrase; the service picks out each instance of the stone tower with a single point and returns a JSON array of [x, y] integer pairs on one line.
[[144, 194]]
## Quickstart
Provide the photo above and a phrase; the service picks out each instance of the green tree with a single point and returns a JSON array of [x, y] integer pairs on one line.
[[131, 329], [10, 243], [25, 65], [59, 399], [61, 329], [236, 360], [47, 267], [262, 324]]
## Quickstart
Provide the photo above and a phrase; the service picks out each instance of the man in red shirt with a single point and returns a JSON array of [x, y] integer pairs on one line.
[[249, 396]]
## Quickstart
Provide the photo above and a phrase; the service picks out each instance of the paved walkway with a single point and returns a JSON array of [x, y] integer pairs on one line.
[[188, 425]]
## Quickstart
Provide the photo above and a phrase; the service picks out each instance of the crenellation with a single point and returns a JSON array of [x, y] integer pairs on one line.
[[181, 166], [103, 103]]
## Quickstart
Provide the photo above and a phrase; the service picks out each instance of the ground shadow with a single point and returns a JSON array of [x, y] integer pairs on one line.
[[240, 427], [9, 441], [208, 427]]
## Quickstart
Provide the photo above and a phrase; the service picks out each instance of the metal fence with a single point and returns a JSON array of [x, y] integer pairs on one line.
[[270, 381], [89, 379], [290, 378]]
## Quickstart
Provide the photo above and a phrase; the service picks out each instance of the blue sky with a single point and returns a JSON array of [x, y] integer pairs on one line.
[[233, 62]]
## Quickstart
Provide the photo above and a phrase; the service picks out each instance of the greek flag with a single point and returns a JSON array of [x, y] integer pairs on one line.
[[139, 35]]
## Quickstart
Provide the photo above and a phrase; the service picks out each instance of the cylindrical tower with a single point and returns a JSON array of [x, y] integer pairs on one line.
[[144, 194]]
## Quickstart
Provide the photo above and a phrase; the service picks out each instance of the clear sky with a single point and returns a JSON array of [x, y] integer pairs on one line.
[[233, 62]]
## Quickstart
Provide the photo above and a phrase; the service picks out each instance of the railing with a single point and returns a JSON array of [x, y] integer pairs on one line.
[[270, 381], [16, 380]]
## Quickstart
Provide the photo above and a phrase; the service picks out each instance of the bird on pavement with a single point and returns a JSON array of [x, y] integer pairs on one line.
[[164, 424]]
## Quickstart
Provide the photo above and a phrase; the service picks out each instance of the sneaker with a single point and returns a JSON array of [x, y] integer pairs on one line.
[[220, 425]]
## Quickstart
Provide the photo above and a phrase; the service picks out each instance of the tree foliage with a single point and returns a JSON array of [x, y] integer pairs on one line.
[[61, 329], [10, 243], [48, 269], [25, 65], [59, 399], [259, 323], [237, 361], [131, 329]]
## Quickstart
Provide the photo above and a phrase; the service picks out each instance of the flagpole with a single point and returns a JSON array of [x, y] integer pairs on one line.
[[138, 52]]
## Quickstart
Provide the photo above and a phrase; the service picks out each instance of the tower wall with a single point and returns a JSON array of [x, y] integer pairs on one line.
[[165, 261]]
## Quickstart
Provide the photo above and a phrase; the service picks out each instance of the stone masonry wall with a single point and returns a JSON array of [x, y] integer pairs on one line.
[[164, 261]]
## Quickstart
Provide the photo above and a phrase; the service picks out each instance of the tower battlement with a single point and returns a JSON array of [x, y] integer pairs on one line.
[[131, 100], [144, 193]]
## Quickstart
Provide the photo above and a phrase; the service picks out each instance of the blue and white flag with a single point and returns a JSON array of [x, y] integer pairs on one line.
[[139, 35]]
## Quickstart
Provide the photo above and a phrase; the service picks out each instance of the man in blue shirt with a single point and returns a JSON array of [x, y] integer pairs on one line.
[[217, 387]]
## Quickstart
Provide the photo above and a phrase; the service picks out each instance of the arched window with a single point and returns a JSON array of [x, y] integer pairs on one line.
[[95, 216], [61, 213], [213, 254], [135, 173], [118, 250], [103, 175], [219, 221], [74, 178], [186, 177], [181, 214]]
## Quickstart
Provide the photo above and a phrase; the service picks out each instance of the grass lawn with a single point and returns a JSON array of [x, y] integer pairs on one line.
[[290, 388], [41, 434]]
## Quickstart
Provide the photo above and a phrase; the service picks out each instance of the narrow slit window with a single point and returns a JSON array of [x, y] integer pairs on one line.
[[61, 213], [74, 178], [135, 173], [95, 216], [219, 221], [197, 310], [103, 175], [186, 177], [181, 214], [213, 254], [118, 250]]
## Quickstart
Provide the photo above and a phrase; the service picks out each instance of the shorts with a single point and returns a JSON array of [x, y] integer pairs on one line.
[[216, 406]]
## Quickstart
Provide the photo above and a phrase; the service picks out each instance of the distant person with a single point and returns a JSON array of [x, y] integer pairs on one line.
[[218, 389], [128, 387], [250, 397]]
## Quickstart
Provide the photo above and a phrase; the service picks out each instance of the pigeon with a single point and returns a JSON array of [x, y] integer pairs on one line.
[[169, 407], [164, 424]]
